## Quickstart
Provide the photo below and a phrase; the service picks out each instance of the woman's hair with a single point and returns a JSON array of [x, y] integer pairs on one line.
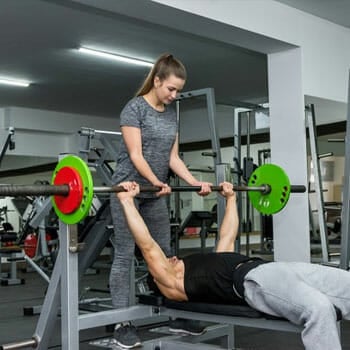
[[165, 65]]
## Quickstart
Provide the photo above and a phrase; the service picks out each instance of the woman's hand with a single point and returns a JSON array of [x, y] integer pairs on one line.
[[165, 188], [205, 187]]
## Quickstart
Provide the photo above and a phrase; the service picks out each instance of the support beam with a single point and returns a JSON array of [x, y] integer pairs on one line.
[[288, 149]]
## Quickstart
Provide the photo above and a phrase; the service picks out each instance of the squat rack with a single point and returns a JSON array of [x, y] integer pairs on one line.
[[222, 170]]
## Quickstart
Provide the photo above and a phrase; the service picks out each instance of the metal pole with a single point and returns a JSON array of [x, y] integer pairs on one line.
[[8, 143], [248, 205], [311, 123], [237, 157], [25, 344], [69, 287], [345, 214]]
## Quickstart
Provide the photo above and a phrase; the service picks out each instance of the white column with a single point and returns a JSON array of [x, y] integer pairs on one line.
[[288, 149]]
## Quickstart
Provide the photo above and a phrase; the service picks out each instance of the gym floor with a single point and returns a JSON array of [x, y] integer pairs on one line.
[[14, 326]]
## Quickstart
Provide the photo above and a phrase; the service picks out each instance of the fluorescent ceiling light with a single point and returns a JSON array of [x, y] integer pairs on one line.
[[115, 57], [14, 82]]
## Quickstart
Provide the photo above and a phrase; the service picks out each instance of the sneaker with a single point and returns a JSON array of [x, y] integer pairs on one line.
[[190, 327], [125, 336]]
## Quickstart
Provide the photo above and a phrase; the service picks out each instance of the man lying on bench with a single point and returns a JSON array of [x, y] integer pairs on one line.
[[305, 294]]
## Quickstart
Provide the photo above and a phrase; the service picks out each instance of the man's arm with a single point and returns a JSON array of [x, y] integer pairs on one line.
[[229, 227], [155, 258]]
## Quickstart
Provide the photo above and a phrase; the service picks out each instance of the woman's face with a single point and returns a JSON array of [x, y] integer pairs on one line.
[[167, 89]]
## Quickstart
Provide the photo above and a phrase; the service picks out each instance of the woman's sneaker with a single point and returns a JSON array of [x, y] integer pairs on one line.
[[125, 336], [183, 326]]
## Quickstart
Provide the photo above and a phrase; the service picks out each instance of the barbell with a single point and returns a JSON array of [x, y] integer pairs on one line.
[[72, 189]]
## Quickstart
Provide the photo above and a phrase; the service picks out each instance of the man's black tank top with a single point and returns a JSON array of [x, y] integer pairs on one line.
[[216, 277]]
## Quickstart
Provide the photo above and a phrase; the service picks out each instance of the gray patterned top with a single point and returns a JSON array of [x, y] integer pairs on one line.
[[158, 132]]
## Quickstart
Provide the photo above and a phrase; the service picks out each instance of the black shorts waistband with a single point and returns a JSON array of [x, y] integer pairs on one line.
[[241, 271]]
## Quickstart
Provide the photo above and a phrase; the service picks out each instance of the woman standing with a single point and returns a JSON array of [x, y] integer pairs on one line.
[[148, 150]]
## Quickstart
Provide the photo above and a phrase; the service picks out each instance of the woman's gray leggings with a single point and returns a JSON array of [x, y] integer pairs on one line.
[[305, 294], [155, 213]]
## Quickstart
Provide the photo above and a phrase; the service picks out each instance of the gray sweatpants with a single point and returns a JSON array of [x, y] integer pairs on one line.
[[305, 294], [155, 213]]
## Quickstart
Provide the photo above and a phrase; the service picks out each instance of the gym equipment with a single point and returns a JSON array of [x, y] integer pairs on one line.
[[9, 143], [73, 205], [225, 317], [345, 214], [266, 221], [73, 190], [62, 297], [10, 251], [62, 294], [310, 118], [30, 244], [279, 192], [13, 254], [199, 218]]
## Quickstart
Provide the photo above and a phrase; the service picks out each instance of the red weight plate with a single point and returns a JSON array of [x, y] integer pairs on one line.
[[69, 176], [30, 244]]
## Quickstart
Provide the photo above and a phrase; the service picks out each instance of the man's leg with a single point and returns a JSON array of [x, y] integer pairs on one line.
[[279, 289], [331, 281]]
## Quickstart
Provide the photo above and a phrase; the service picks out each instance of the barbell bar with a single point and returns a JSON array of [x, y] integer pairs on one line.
[[64, 190], [72, 189], [263, 189]]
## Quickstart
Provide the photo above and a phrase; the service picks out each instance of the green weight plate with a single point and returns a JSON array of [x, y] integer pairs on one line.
[[88, 189], [277, 179]]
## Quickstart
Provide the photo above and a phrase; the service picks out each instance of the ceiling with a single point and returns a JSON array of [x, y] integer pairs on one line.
[[336, 11], [39, 39]]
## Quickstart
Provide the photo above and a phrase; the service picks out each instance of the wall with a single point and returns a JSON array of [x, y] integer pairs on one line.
[[325, 46], [40, 136]]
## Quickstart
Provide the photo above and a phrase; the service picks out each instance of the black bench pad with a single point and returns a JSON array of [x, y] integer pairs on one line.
[[207, 308], [217, 309]]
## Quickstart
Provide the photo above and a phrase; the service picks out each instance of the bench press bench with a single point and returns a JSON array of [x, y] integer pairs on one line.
[[229, 315]]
